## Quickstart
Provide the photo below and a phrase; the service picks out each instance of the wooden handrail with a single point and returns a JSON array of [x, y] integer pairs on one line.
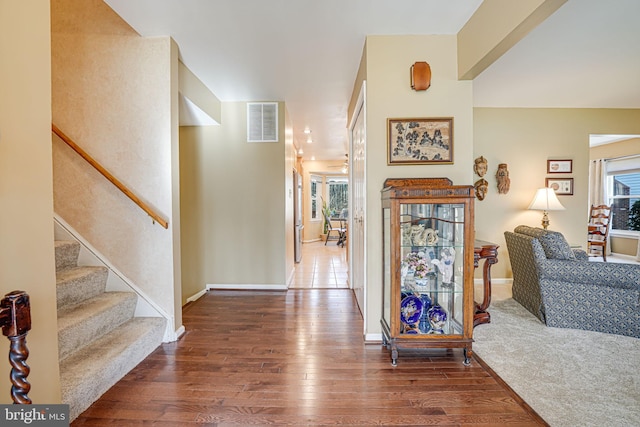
[[110, 177], [15, 320]]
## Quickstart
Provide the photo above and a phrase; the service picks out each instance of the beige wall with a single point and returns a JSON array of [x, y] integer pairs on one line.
[[290, 165], [629, 147], [236, 206], [26, 218], [525, 139], [116, 95], [483, 39], [389, 95], [193, 140]]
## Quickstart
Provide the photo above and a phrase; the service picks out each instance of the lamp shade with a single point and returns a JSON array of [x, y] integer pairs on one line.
[[546, 200]]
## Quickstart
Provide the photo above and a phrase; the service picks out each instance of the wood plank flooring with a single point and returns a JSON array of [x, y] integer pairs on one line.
[[297, 358]]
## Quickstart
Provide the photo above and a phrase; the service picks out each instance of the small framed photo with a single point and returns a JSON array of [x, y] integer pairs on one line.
[[562, 186], [559, 166], [420, 141]]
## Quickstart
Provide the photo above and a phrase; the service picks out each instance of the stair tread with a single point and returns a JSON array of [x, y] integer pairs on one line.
[[89, 372], [91, 307], [83, 323], [67, 275]]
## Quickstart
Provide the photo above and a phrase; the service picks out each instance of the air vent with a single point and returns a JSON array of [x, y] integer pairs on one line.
[[262, 122]]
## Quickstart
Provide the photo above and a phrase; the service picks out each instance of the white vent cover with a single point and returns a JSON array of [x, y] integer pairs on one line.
[[262, 122]]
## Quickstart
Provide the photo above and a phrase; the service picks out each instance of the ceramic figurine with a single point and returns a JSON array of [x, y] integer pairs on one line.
[[432, 236], [425, 323], [445, 264], [418, 235], [437, 318], [502, 176]]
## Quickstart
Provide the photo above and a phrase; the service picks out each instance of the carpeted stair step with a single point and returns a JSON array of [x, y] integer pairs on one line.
[[80, 324], [78, 284], [88, 373], [66, 254]]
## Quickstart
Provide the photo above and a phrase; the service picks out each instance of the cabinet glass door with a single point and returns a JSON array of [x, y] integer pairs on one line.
[[386, 274], [431, 268]]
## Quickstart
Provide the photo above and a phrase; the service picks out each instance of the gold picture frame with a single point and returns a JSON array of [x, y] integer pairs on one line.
[[420, 141]]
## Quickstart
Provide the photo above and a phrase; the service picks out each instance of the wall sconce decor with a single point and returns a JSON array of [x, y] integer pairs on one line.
[[420, 76], [546, 200]]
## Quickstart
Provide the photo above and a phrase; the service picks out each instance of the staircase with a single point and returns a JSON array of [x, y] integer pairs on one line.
[[99, 339]]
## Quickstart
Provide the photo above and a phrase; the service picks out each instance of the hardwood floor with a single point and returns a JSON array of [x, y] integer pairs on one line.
[[297, 358]]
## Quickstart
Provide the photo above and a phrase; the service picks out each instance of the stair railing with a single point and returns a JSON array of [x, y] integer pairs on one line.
[[15, 320], [156, 217]]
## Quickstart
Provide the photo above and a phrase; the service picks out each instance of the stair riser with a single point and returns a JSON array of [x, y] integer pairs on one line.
[[66, 254], [95, 322], [79, 289]]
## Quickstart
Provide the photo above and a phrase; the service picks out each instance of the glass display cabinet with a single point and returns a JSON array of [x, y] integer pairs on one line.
[[428, 263]]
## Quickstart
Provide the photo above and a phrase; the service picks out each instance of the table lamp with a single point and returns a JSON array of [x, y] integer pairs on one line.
[[546, 200]]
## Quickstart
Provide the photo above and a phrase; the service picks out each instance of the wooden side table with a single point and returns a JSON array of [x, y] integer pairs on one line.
[[489, 253]]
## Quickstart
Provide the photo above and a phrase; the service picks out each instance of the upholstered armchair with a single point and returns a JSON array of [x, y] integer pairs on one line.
[[564, 290]]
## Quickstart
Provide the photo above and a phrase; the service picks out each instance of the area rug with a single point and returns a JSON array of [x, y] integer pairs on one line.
[[569, 377]]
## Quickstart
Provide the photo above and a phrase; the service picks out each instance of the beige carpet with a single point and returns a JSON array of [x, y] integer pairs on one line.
[[569, 377]]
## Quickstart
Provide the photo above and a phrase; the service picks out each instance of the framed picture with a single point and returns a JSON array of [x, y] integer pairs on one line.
[[559, 166], [562, 186], [420, 141]]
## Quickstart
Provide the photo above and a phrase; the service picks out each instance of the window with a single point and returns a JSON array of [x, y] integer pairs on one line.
[[316, 193], [338, 196], [623, 183]]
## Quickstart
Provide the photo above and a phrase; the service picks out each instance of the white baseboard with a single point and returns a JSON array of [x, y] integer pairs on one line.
[[174, 335], [196, 296], [246, 287], [312, 240], [373, 338]]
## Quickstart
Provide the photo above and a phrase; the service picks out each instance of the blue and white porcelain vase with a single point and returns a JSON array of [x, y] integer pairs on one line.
[[425, 323], [437, 318]]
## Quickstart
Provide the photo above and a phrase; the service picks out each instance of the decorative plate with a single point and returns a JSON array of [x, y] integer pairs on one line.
[[411, 309]]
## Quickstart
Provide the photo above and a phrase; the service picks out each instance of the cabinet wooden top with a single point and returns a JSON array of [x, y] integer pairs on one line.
[[421, 187]]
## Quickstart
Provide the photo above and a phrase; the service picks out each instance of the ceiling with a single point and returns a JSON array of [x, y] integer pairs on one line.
[[307, 52]]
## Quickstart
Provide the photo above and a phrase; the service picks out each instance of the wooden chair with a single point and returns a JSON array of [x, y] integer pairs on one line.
[[598, 231], [342, 231]]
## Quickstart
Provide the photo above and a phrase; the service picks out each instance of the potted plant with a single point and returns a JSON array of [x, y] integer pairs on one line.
[[326, 214]]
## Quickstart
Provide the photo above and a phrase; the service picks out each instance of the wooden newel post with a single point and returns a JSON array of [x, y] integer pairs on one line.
[[15, 319]]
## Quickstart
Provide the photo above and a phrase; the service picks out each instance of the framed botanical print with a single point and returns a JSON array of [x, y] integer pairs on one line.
[[420, 141], [562, 186], [559, 166]]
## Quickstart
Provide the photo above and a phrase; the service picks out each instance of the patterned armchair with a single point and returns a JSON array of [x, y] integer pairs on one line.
[[564, 290]]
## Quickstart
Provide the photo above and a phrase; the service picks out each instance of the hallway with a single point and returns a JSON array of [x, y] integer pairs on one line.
[[322, 267]]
